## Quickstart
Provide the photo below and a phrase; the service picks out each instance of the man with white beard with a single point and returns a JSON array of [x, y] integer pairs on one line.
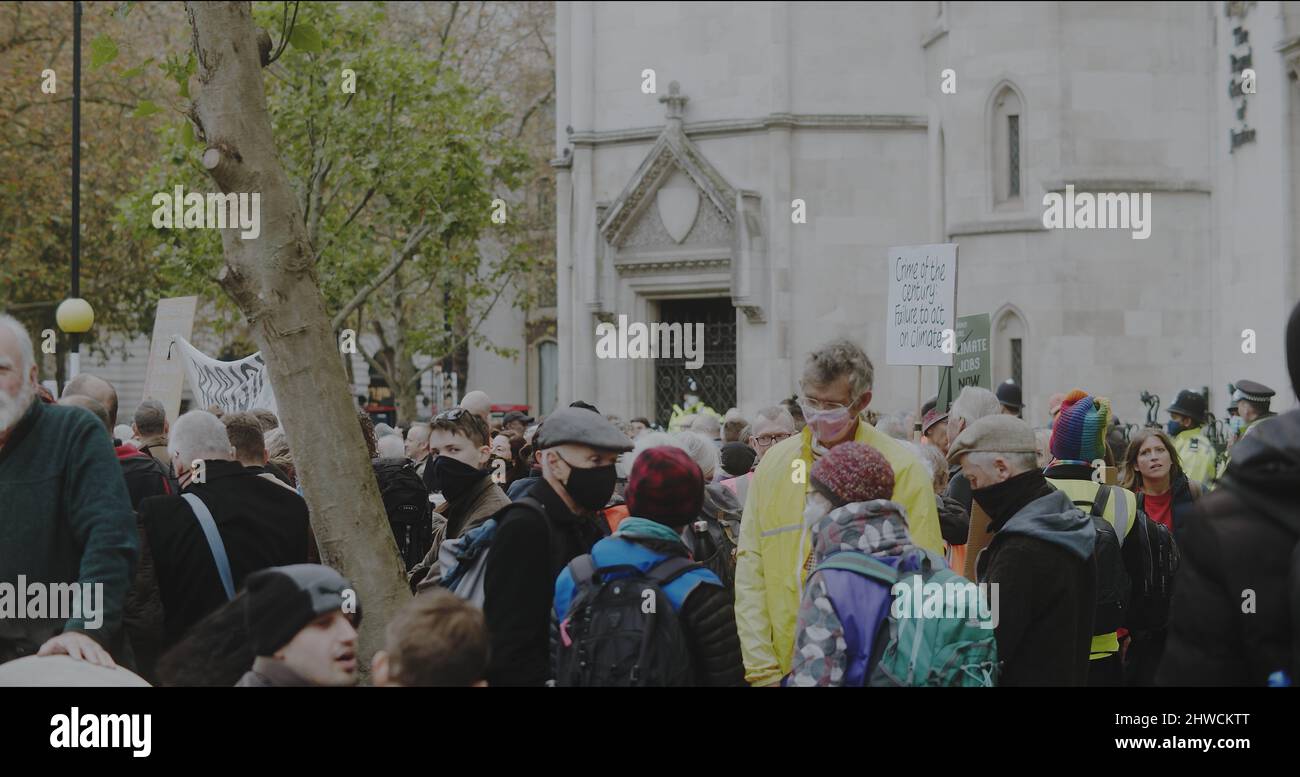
[[67, 517]]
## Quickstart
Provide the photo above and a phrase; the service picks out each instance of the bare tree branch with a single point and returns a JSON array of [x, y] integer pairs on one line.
[[394, 264], [415, 379]]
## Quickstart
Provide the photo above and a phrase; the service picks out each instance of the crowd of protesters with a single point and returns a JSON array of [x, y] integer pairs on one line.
[[582, 549]]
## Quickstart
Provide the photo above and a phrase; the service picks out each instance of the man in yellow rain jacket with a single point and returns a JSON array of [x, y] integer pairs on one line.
[[775, 547], [1195, 454]]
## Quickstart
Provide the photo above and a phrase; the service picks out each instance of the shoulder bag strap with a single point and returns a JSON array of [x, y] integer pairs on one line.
[[215, 544]]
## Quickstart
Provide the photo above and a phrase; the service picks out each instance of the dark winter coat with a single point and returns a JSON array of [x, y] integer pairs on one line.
[[527, 554], [262, 524], [1230, 622], [958, 492], [65, 517], [707, 616], [269, 673], [468, 511], [1042, 563], [954, 520], [144, 475]]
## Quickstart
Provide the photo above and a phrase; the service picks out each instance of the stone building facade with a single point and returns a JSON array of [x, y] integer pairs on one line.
[[677, 205]]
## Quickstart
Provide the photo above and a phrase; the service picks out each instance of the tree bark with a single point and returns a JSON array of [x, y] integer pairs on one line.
[[273, 280]]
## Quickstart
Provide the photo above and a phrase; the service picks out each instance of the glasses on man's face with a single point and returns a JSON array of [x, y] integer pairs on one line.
[[770, 439], [807, 403]]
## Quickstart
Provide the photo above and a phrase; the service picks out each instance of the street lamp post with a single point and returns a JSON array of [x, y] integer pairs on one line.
[[74, 315], [75, 359]]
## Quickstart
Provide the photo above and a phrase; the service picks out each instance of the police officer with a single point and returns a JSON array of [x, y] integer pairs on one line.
[[1008, 395], [691, 406], [1252, 404], [1186, 418]]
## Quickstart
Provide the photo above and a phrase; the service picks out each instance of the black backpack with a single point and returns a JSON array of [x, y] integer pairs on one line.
[[1152, 556], [145, 477], [1114, 587], [407, 503], [712, 538], [623, 632]]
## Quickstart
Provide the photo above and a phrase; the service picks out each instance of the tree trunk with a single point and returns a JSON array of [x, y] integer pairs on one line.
[[273, 280]]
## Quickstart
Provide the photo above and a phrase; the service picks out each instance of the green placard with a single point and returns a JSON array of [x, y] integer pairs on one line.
[[971, 365]]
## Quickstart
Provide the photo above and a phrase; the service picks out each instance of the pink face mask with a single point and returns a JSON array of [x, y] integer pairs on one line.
[[828, 425]]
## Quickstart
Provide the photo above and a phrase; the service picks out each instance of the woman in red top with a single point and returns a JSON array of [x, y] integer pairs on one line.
[[1153, 472], [1165, 494]]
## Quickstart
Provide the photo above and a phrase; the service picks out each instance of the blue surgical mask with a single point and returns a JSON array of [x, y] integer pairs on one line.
[[1173, 428]]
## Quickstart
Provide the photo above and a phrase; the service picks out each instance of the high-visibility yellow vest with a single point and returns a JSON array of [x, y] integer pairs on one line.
[[1120, 513], [1195, 455]]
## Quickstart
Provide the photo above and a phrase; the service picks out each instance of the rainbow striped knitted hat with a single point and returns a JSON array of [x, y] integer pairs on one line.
[[1079, 433]]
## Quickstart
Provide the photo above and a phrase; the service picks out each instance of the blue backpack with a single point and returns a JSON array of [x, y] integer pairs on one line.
[[905, 651]]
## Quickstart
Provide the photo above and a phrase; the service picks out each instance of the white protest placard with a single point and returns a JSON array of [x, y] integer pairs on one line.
[[165, 375], [922, 303]]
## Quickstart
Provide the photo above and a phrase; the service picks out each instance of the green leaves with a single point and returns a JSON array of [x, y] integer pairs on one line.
[[305, 37], [179, 70], [138, 70], [102, 51], [145, 108]]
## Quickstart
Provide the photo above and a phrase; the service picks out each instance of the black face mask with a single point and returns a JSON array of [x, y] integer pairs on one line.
[[453, 477], [591, 487]]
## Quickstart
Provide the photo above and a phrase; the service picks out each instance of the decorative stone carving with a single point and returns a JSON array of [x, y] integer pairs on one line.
[[678, 200], [674, 266], [678, 215], [651, 233]]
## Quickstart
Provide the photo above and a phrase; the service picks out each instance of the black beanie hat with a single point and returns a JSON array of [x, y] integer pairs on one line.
[[737, 458], [1293, 348], [282, 600]]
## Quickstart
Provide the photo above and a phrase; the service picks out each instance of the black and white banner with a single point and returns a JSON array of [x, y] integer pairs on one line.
[[232, 386]]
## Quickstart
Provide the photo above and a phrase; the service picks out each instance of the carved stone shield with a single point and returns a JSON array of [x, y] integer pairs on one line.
[[678, 201]]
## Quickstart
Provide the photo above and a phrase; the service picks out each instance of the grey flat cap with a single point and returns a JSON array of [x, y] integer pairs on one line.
[[581, 427], [995, 434]]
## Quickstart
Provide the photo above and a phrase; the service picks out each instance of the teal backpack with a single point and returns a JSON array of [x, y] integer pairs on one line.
[[918, 651]]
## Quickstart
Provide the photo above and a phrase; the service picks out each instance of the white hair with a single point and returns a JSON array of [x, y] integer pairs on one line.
[[648, 440], [707, 425], [199, 435], [1018, 461], [702, 450], [391, 446], [24, 342], [776, 413], [894, 425], [972, 404]]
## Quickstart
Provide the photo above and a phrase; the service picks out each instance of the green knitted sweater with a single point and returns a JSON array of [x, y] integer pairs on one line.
[[65, 517]]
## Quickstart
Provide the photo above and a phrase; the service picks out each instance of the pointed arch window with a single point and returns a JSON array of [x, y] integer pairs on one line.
[[1007, 139]]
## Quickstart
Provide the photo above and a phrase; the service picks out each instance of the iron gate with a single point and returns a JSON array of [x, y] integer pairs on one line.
[[716, 377]]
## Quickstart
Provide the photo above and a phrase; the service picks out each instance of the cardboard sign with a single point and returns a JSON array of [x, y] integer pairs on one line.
[[922, 304], [165, 376], [977, 539]]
